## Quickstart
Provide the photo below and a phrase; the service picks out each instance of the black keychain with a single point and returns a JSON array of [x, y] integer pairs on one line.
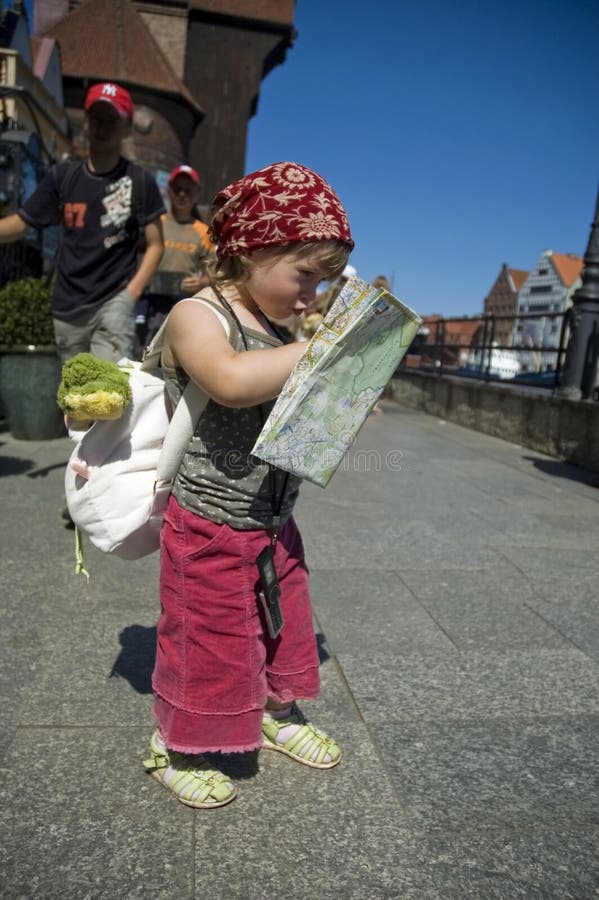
[[271, 591]]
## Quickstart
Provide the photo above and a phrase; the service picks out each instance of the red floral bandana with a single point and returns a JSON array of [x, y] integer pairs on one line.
[[280, 204]]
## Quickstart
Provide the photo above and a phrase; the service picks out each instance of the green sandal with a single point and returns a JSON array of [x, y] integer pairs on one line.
[[308, 745], [189, 778]]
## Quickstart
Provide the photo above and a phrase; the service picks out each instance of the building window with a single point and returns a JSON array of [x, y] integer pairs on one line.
[[543, 271], [540, 289]]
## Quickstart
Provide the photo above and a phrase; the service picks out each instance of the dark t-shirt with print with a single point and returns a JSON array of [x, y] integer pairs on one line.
[[101, 220]]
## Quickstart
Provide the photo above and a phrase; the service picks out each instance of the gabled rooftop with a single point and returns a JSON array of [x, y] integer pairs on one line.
[[108, 40], [518, 277], [568, 266]]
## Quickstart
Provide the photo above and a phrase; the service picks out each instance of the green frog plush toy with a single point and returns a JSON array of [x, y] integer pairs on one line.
[[92, 388]]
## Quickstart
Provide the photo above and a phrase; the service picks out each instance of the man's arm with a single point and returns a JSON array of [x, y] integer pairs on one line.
[[12, 228], [150, 259]]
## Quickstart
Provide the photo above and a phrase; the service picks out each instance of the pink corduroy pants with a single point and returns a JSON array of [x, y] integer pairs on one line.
[[216, 664]]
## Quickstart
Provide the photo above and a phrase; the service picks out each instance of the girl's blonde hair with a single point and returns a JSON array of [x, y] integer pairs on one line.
[[331, 255]]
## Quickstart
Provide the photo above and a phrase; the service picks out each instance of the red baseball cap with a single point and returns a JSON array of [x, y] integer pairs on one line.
[[111, 93], [184, 170]]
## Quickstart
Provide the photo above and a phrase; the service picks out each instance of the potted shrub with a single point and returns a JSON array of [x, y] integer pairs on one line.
[[30, 368]]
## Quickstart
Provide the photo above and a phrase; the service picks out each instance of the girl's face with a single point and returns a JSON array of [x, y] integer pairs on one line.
[[282, 285]]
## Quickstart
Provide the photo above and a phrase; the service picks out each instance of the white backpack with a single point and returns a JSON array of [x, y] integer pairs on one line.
[[132, 461]]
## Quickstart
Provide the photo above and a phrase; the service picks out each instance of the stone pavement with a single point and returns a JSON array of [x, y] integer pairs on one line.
[[455, 581]]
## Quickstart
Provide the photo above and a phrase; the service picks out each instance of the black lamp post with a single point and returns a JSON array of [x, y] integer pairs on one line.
[[580, 367]]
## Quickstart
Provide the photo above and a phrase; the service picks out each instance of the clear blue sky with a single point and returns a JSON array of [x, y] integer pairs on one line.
[[458, 134]]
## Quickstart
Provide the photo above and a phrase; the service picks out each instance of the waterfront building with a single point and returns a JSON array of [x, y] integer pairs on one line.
[[542, 302], [501, 302]]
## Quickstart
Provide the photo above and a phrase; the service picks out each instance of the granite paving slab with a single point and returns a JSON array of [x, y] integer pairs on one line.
[[546, 682], [416, 542], [484, 611], [375, 610], [505, 527], [545, 561], [22, 657], [569, 601], [490, 773], [77, 685], [499, 864], [82, 820]]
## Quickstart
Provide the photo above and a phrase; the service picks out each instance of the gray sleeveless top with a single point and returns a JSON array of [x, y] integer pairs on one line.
[[219, 479]]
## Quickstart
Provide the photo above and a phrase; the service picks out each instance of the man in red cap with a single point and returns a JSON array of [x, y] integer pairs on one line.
[[187, 251], [104, 204]]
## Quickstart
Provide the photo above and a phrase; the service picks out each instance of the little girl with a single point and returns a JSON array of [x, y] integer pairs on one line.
[[227, 675]]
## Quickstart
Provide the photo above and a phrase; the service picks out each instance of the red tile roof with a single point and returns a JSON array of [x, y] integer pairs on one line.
[[108, 40], [568, 266], [461, 331], [456, 331], [518, 276]]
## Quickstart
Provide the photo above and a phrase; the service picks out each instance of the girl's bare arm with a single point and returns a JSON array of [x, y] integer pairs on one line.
[[196, 341]]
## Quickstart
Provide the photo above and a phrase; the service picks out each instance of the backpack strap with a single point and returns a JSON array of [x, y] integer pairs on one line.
[[187, 413], [153, 352], [186, 416]]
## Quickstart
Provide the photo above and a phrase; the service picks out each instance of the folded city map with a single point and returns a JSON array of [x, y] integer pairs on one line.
[[335, 385]]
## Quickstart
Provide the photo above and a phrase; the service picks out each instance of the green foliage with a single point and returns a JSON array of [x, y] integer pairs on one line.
[[25, 313]]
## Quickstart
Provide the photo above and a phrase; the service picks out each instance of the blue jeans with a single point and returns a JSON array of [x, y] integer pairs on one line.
[[106, 332]]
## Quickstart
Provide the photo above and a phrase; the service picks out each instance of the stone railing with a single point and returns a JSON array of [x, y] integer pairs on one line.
[[563, 428]]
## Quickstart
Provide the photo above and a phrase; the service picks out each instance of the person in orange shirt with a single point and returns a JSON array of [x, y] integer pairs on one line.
[[187, 252]]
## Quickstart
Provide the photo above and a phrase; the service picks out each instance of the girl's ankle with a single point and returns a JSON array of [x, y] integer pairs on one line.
[[281, 712]]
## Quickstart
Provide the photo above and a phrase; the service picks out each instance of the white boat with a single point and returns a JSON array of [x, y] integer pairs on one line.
[[503, 364]]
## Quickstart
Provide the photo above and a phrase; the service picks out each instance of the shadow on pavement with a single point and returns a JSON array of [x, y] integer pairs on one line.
[[14, 465], [41, 473], [323, 653], [135, 662], [564, 470]]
